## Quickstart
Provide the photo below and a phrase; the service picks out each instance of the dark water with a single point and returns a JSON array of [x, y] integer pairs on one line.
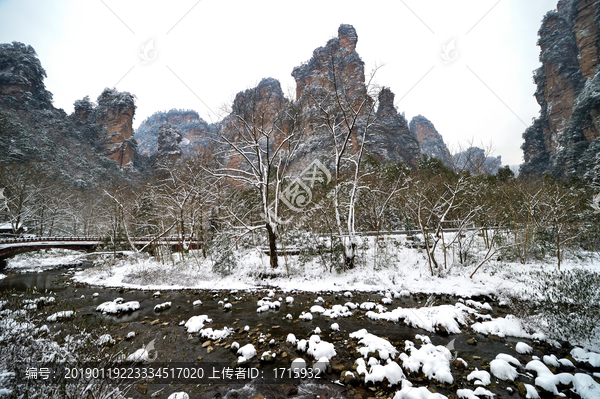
[[174, 344]]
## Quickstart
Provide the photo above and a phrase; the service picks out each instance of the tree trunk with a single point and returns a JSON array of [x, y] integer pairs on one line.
[[349, 255], [272, 246]]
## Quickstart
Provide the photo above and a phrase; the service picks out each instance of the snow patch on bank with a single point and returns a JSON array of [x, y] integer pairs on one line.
[[34, 262], [506, 326]]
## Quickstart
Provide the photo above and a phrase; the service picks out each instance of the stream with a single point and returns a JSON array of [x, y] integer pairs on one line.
[[173, 344]]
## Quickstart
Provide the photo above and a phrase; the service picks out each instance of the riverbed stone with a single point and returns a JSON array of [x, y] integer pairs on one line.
[[142, 389], [338, 368], [459, 364], [154, 322], [206, 343], [521, 388]]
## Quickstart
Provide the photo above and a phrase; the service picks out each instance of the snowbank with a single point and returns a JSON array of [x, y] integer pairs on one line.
[[447, 316]]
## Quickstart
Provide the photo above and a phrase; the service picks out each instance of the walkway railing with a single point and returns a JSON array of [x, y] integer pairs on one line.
[[11, 240]]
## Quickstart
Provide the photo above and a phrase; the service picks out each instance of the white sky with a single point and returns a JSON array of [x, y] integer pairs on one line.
[[207, 51]]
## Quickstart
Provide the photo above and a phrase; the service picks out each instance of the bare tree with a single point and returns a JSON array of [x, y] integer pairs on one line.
[[561, 206], [434, 205], [521, 200], [260, 137], [347, 112], [23, 191]]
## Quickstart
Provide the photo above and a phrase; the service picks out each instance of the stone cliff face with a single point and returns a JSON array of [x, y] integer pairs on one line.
[[256, 113], [22, 78], [112, 119], [169, 140], [586, 27], [332, 80], [196, 133], [391, 138], [115, 113], [563, 139], [430, 141]]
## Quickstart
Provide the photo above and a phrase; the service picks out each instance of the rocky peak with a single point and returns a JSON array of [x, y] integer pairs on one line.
[[386, 103], [474, 160], [430, 141], [83, 110], [196, 133], [71, 149], [390, 137], [337, 66], [338, 55], [347, 37], [267, 97]]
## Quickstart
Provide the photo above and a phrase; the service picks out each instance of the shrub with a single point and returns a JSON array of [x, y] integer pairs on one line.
[[221, 252], [563, 304]]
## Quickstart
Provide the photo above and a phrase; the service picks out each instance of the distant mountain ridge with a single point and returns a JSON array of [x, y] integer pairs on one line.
[[98, 141]]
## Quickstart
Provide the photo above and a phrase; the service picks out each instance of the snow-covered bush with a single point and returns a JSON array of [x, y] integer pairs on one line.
[[221, 249], [26, 338], [563, 304]]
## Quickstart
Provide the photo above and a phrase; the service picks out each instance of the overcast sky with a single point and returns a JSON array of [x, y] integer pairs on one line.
[[204, 52]]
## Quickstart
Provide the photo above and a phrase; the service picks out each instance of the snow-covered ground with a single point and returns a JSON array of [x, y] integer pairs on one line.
[[31, 262], [400, 268]]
